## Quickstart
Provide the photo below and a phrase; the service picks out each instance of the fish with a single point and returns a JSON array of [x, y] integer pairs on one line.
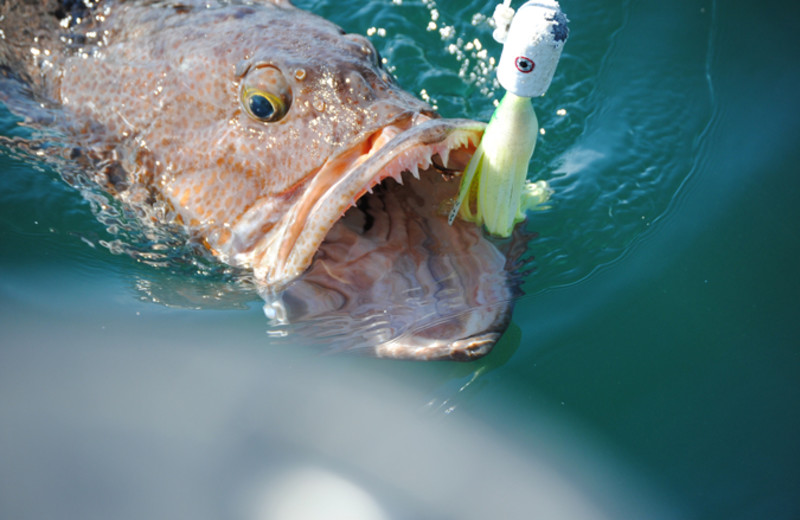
[[283, 145]]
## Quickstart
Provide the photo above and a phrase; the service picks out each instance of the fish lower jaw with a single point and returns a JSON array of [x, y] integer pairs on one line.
[[409, 347], [288, 249]]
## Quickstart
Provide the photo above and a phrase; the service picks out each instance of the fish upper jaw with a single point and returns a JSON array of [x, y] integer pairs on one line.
[[287, 249]]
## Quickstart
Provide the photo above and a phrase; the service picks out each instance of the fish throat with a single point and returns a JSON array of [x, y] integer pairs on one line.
[[393, 272]]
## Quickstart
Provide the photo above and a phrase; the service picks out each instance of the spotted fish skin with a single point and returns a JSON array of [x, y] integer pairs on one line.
[[161, 84], [159, 96]]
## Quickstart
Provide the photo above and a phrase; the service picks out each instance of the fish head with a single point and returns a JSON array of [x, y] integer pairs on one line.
[[271, 129], [294, 120]]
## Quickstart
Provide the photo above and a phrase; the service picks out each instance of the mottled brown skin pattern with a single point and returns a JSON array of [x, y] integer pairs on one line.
[[156, 89], [173, 86]]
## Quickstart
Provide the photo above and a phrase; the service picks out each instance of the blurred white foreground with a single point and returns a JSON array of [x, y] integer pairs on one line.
[[110, 414]]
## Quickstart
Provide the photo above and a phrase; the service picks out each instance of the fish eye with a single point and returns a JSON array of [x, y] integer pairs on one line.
[[265, 94], [524, 64], [262, 105]]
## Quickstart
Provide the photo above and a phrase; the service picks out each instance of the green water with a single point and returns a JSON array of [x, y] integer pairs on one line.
[[651, 370]]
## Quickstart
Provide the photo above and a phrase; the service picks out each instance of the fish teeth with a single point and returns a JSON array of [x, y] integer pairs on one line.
[[445, 155], [426, 162], [414, 171], [398, 177]]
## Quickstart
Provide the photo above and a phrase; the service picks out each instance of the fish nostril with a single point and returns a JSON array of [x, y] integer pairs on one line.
[[241, 68]]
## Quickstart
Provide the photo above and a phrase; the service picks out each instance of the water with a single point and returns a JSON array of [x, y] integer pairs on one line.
[[651, 370]]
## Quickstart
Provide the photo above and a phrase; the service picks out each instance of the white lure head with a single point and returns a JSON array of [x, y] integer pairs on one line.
[[532, 48]]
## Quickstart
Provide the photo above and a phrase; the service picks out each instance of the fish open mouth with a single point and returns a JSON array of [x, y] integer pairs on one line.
[[404, 146], [388, 273]]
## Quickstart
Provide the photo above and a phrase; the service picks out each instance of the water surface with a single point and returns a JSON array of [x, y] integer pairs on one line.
[[650, 371]]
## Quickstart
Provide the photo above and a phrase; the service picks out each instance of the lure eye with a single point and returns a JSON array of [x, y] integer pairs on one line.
[[524, 65], [262, 105], [265, 94]]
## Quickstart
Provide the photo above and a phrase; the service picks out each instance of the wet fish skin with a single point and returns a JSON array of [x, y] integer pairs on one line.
[[183, 107], [156, 88]]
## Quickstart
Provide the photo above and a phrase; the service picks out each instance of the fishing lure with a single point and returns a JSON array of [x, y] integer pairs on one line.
[[494, 189]]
